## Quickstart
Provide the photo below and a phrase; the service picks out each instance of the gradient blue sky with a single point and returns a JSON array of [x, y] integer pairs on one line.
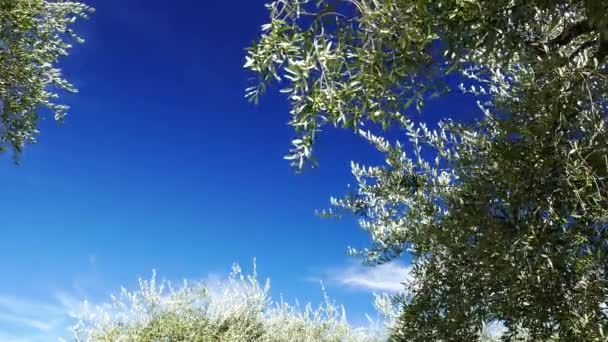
[[162, 164]]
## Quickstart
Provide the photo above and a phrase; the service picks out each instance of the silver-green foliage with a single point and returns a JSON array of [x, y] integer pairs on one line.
[[507, 217], [34, 34], [236, 310]]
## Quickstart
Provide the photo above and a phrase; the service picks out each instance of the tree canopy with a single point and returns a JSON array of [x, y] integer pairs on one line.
[[506, 217], [34, 34]]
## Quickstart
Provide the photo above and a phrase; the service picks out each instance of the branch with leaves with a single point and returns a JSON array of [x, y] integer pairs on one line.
[[34, 35]]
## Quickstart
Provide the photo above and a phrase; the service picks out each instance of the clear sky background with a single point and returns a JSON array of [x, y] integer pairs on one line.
[[162, 164]]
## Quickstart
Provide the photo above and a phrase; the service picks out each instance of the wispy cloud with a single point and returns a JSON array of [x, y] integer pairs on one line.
[[27, 319], [383, 278], [23, 319]]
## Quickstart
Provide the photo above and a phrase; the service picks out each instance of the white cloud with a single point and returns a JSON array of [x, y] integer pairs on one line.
[[23, 319], [383, 278]]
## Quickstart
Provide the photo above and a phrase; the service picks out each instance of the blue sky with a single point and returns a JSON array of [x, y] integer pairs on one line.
[[162, 164]]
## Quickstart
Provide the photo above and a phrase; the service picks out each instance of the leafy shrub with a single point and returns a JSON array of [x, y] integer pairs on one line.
[[238, 309]]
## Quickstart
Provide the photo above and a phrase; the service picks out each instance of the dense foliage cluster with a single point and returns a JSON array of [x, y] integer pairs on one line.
[[506, 217], [34, 34], [238, 309]]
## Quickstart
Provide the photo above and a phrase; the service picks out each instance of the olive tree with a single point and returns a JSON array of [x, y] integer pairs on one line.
[[34, 34], [505, 216]]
